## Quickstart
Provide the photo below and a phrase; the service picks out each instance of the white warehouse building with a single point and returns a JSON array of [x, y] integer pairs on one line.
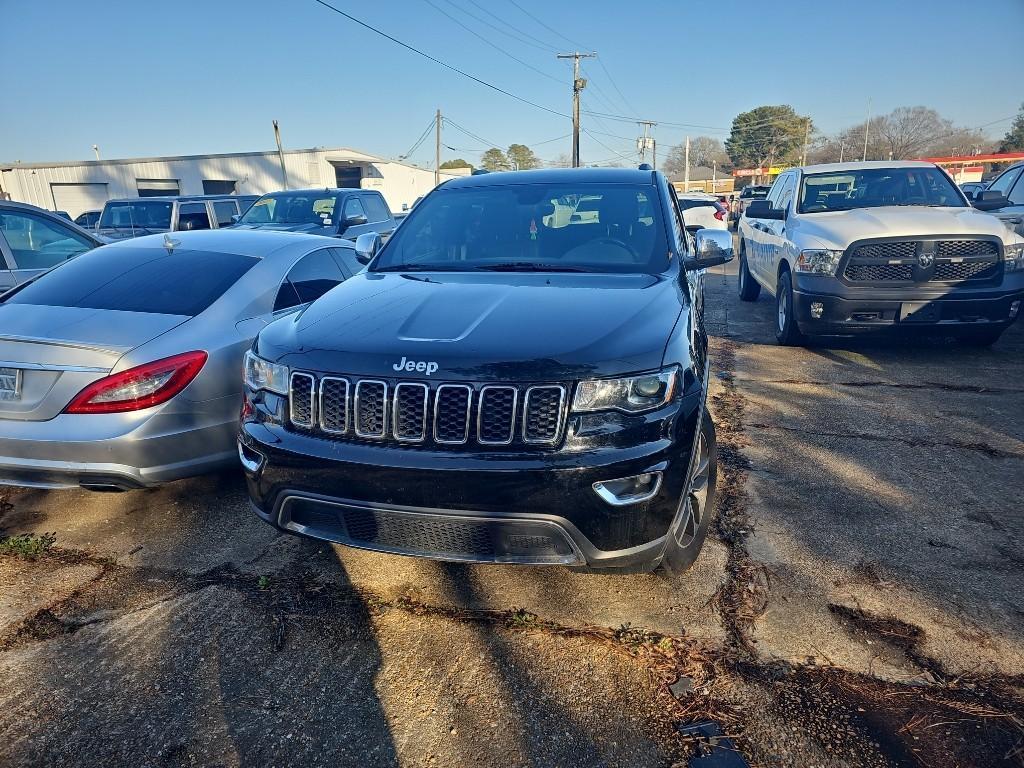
[[85, 185]]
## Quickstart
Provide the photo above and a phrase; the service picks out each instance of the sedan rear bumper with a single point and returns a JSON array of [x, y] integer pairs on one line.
[[115, 451]]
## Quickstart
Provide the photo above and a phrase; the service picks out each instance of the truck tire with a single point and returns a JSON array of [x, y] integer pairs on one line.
[[749, 288], [787, 332]]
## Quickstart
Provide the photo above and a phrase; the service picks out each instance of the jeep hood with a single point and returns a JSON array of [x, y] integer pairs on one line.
[[838, 229], [483, 327]]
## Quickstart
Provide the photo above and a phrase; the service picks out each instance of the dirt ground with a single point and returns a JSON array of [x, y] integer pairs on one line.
[[859, 603]]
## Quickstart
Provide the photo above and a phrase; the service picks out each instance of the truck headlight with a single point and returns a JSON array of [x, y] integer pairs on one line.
[[1013, 257], [818, 261], [262, 374], [632, 394]]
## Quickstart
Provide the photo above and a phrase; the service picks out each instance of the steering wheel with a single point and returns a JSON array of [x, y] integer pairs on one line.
[[620, 243]]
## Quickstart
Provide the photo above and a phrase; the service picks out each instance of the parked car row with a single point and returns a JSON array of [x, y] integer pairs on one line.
[[524, 360], [869, 247]]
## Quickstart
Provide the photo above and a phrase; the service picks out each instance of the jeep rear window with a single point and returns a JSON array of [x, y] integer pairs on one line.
[[137, 280], [140, 214], [878, 187], [579, 228]]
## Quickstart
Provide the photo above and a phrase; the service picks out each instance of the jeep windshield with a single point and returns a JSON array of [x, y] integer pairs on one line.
[[878, 187], [291, 208], [137, 214], [532, 228]]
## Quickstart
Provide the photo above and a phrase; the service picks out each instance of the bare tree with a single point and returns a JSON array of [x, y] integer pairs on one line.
[[911, 131], [704, 151]]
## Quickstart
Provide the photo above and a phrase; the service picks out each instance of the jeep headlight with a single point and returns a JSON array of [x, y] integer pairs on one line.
[[632, 394], [818, 261], [263, 374], [1013, 257]]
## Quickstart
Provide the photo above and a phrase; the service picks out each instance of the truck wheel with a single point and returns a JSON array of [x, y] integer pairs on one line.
[[787, 332], [981, 337], [750, 289], [686, 539]]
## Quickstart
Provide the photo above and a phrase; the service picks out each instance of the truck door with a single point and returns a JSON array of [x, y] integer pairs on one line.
[[760, 241], [774, 231]]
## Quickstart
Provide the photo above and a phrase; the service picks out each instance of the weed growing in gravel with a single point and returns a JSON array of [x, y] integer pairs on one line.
[[521, 618], [27, 545], [263, 582]]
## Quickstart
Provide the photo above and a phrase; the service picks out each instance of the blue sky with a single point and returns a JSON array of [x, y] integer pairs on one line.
[[188, 77]]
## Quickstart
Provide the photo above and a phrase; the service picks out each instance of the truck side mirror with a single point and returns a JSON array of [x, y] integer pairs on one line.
[[367, 245], [762, 209], [990, 200], [711, 247]]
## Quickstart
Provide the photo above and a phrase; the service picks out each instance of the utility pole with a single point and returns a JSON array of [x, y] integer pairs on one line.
[[578, 84], [280, 156], [96, 149], [686, 172], [645, 141], [842, 149], [807, 138], [437, 148], [714, 176], [867, 127]]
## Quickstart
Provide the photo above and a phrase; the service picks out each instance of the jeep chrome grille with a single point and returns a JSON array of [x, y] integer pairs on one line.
[[416, 412]]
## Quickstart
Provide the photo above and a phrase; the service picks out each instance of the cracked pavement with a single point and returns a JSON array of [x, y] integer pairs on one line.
[[860, 603]]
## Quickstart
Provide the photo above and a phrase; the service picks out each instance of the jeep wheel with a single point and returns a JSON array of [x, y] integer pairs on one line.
[[750, 289], [687, 534], [787, 332]]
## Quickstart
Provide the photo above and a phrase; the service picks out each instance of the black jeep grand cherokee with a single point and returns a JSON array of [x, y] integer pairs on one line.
[[519, 376]]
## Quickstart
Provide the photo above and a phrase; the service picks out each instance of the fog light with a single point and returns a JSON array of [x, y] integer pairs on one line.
[[629, 490], [816, 309], [1014, 309]]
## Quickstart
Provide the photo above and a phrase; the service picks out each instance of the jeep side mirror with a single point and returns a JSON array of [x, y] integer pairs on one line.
[[235, 217], [762, 209], [711, 247], [367, 245], [990, 200]]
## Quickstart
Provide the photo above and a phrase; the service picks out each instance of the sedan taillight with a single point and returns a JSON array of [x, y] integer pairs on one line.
[[141, 387], [720, 214]]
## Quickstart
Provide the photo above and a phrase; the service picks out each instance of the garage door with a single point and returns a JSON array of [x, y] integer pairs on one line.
[[75, 198]]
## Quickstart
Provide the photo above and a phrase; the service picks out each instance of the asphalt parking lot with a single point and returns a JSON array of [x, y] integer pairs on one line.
[[860, 602]]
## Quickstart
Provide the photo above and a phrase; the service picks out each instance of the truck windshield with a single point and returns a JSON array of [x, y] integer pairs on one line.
[[291, 208], [137, 214], [877, 187], [533, 227]]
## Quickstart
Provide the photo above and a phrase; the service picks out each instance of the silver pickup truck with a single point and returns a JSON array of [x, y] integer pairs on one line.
[[875, 247]]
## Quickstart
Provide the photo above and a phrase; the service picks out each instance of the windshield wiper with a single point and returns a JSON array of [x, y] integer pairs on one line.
[[528, 266], [421, 268]]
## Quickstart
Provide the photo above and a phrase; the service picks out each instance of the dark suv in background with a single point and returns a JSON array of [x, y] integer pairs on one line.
[[346, 213], [507, 382]]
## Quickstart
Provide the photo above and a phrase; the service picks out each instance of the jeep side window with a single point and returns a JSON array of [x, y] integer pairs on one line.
[[376, 208], [311, 277], [193, 216]]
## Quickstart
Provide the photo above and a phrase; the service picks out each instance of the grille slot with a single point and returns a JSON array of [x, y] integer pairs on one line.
[[409, 412], [300, 401], [334, 405], [371, 417], [879, 272], [542, 414], [496, 415], [451, 413], [958, 248], [904, 249], [949, 271]]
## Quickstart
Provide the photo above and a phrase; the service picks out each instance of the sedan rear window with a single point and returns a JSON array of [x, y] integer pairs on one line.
[[138, 280]]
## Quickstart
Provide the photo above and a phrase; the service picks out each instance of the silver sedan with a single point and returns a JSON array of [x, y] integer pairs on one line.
[[123, 367]]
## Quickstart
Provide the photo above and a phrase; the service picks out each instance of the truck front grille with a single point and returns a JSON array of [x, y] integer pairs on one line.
[[418, 413], [922, 261]]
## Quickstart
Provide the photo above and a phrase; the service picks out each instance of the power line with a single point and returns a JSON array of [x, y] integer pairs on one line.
[[420, 140], [549, 29], [515, 36], [492, 45], [436, 60]]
